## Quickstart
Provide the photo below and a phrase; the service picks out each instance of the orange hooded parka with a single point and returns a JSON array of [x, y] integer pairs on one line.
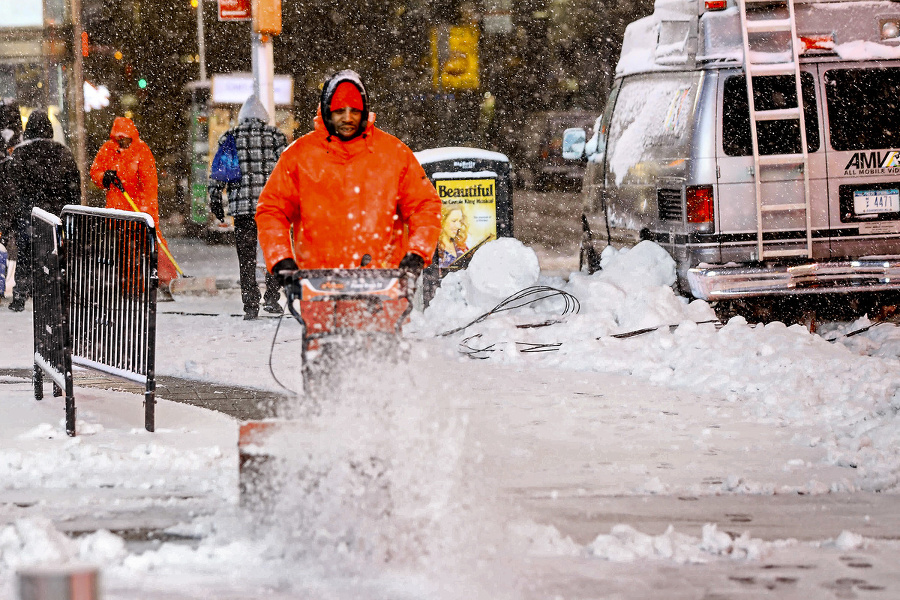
[[136, 168], [365, 202]]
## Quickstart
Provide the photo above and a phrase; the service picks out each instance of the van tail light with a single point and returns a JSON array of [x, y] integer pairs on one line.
[[716, 4], [699, 201]]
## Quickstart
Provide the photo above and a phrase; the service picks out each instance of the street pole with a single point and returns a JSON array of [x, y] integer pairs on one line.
[[264, 71], [265, 23], [201, 41], [78, 76]]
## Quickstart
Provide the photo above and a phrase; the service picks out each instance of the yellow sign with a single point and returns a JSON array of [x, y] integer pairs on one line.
[[454, 57], [468, 216], [266, 16]]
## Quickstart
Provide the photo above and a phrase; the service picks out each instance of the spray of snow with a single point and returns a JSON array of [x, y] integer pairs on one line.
[[380, 481]]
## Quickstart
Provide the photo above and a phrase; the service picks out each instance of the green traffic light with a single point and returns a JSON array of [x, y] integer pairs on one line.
[[142, 83]]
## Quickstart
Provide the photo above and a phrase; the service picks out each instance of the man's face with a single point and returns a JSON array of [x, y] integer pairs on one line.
[[123, 141], [346, 121]]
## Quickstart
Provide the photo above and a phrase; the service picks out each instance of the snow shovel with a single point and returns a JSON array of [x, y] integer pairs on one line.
[[118, 183]]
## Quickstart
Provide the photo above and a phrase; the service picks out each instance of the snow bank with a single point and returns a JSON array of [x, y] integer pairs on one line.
[[626, 544], [220, 566], [111, 450], [777, 373]]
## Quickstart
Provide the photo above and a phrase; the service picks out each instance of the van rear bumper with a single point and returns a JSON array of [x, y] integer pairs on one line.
[[719, 282]]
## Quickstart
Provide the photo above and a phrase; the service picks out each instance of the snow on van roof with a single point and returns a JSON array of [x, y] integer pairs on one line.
[[661, 41], [680, 34], [457, 153], [860, 50]]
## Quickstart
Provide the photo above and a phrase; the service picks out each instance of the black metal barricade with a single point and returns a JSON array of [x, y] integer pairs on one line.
[[52, 340], [112, 279], [95, 280]]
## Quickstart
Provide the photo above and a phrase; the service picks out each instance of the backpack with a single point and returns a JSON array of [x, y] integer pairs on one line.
[[225, 165]]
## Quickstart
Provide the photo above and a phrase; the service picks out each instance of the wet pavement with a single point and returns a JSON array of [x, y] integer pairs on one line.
[[242, 403]]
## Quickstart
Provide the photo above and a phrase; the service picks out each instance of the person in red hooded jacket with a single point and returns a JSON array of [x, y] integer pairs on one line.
[[353, 195], [127, 157]]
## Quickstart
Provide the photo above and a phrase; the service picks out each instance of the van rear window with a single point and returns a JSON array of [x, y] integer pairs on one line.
[[651, 121], [863, 108], [769, 93]]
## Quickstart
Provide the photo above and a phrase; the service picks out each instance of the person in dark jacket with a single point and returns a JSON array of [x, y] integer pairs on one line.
[[258, 147], [10, 135], [45, 175]]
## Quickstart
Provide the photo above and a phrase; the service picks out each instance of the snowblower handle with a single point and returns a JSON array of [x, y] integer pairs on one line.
[[410, 283], [363, 286], [293, 292]]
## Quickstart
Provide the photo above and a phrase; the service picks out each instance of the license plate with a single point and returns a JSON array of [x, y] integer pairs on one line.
[[870, 202]]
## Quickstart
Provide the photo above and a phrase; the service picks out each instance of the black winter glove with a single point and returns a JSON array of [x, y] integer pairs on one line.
[[216, 208], [109, 178], [284, 270], [412, 264]]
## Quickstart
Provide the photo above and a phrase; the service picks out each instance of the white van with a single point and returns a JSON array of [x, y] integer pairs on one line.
[[776, 200]]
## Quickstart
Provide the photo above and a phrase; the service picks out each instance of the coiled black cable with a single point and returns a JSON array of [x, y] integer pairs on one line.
[[524, 298]]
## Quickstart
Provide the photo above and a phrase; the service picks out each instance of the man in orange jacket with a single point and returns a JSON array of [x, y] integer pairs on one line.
[[127, 157], [354, 195]]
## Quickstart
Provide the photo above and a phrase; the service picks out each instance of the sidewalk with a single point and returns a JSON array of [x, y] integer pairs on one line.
[[212, 273], [209, 268], [243, 404]]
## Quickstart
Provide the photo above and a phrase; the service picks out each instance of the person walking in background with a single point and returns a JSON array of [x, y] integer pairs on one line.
[[350, 194], [259, 145], [44, 175], [10, 135], [126, 160]]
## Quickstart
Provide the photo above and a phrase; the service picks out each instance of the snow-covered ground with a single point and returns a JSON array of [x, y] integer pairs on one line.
[[694, 460]]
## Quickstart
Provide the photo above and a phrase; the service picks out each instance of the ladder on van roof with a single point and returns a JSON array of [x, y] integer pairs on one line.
[[751, 28]]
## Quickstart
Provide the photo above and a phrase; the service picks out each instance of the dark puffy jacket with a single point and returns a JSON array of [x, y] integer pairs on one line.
[[8, 205], [43, 172]]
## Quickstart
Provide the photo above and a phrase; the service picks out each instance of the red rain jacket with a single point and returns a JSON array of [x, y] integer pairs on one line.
[[345, 200]]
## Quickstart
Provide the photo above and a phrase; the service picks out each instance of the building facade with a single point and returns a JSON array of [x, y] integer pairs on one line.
[[36, 60]]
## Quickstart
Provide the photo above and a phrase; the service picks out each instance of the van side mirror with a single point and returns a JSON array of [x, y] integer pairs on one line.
[[573, 142]]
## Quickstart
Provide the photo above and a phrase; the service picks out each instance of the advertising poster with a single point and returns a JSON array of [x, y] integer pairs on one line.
[[468, 216]]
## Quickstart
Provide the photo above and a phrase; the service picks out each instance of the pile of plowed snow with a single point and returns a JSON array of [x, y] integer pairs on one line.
[[849, 388]]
